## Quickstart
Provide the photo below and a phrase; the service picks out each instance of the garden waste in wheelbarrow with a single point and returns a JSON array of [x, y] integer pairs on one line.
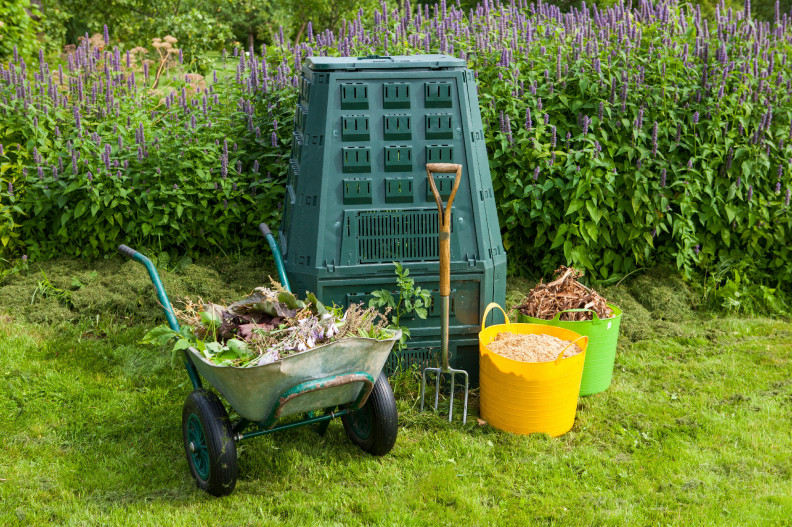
[[340, 379]]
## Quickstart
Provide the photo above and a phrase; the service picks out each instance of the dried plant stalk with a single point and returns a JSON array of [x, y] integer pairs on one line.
[[564, 292]]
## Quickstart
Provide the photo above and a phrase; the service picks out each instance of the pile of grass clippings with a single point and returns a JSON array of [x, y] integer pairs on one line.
[[565, 292]]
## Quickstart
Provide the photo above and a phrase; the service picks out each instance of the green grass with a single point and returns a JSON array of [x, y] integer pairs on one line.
[[694, 430]]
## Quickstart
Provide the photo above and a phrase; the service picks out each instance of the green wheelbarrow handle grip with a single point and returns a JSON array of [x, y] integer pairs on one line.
[[129, 252]]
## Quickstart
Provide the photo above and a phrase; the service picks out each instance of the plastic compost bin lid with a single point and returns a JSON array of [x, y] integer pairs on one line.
[[376, 62]]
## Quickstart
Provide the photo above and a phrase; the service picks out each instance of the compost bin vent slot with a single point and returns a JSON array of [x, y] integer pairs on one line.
[[397, 235], [411, 358]]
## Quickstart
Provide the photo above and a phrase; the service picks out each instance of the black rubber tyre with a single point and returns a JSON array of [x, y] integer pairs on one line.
[[374, 427], [208, 443]]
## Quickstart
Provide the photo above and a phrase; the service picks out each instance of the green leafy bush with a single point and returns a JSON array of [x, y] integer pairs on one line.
[[197, 33], [190, 166], [617, 138], [17, 29]]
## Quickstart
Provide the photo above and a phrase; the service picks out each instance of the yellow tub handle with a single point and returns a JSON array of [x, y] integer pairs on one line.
[[489, 308], [561, 355]]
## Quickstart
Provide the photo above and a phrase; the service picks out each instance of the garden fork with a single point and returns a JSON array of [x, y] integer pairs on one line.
[[444, 249]]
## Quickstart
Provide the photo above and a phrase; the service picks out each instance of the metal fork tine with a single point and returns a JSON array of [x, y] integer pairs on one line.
[[451, 403], [464, 411], [423, 388], [437, 390]]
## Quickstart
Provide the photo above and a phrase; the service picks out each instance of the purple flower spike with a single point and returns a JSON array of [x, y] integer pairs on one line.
[[654, 139], [90, 176], [181, 57], [778, 188], [239, 167], [536, 173], [274, 139], [786, 198], [750, 192], [697, 249], [695, 117], [106, 35], [663, 178], [553, 137]]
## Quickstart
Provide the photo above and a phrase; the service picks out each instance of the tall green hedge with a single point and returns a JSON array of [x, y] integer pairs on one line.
[[617, 138]]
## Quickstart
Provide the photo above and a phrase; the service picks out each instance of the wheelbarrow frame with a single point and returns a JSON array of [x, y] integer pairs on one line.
[[331, 405]]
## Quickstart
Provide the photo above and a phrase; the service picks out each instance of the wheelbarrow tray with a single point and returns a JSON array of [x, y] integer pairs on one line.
[[279, 389]]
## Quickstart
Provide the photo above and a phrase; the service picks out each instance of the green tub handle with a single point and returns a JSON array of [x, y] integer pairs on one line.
[[596, 320]]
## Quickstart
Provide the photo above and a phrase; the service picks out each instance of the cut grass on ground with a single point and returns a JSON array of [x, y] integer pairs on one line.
[[693, 430]]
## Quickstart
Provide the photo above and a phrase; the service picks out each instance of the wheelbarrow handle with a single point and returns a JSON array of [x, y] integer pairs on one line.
[[276, 254], [162, 296], [139, 257], [444, 242]]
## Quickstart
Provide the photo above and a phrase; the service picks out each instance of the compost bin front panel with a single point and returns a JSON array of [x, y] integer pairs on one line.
[[357, 195]]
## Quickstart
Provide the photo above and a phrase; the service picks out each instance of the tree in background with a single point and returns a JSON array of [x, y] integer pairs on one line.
[[18, 28], [209, 25]]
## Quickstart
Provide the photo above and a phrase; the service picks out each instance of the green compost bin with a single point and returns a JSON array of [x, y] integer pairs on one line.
[[603, 334], [357, 197]]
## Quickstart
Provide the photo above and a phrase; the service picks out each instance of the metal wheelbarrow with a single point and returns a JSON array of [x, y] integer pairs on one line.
[[341, 379]]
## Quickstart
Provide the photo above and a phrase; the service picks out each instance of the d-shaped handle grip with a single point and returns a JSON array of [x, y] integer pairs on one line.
[[443, 168]]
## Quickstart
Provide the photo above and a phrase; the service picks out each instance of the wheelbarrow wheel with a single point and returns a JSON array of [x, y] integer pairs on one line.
[[209, 443], [374, 427]]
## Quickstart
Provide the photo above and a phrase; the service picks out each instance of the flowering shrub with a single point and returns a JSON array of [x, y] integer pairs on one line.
[[619, 137], [616, 137], [94, 156]]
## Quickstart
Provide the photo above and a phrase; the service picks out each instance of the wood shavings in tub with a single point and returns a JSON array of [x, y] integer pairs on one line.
[[531, 347]]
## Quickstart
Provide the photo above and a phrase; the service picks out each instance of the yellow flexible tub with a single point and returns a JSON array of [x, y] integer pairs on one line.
[[529, 397]]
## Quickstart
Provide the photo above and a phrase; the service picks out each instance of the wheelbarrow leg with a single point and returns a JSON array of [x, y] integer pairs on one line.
[[321, 428]]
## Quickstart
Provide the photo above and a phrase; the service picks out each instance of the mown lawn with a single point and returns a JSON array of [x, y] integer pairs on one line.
[[694, 430]]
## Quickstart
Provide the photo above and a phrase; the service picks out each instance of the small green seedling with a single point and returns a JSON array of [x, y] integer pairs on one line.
[[408, 299]]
